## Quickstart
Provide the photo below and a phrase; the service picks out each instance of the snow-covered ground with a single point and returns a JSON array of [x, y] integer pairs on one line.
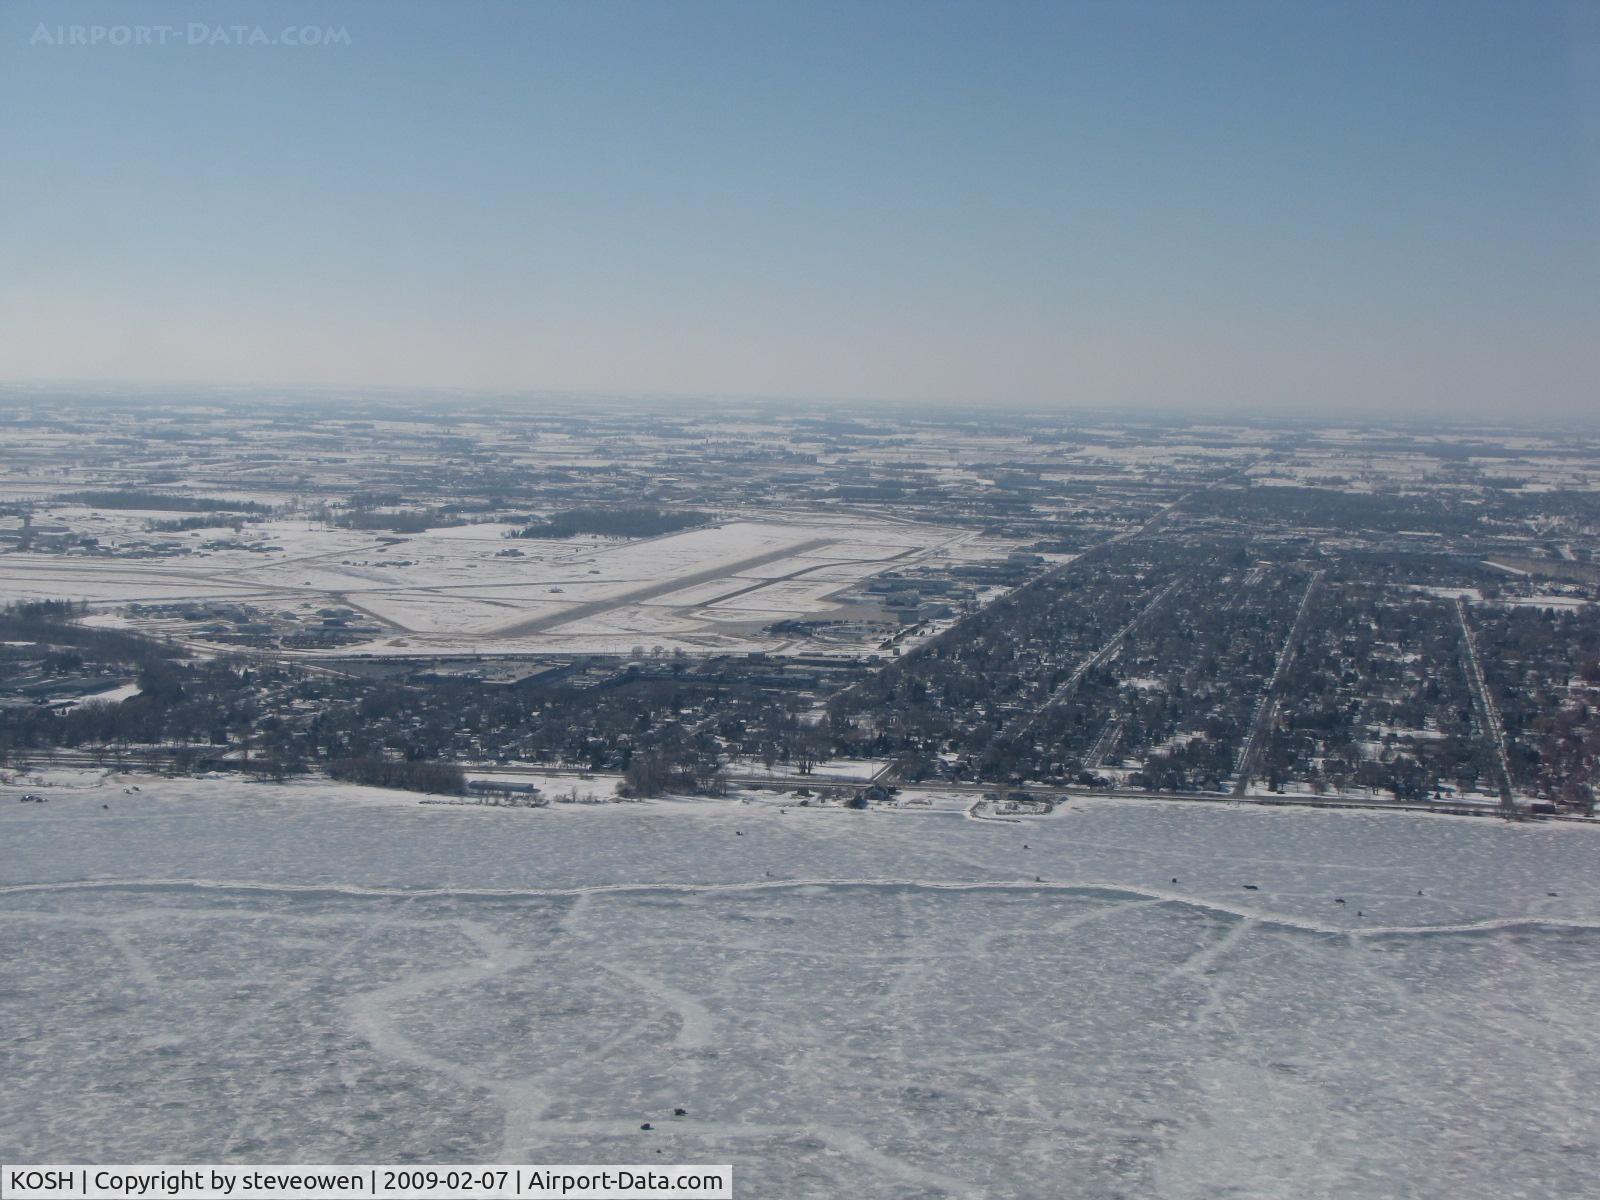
[[875, 1004]]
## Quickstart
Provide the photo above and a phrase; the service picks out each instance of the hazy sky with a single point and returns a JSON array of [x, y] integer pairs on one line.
[[1386, 207]]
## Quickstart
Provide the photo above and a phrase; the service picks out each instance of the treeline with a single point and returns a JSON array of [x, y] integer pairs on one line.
[[221, 520], [639, 522], [49, 624], [211, 706], [165, 502], [681, 770], [402, 521], [1326, 508], [435, 777]]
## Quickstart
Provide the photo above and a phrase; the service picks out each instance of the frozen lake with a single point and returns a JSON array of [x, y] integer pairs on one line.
[[874, 1004]]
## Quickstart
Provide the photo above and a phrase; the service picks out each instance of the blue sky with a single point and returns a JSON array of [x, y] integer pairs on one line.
[[1380, 208]]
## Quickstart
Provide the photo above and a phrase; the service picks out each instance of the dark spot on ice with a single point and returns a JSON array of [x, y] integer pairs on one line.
[[680, 1112], [647, 1125], [1250, 887]]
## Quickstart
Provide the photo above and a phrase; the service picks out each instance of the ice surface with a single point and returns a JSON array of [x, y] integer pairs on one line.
[[876, 1004]]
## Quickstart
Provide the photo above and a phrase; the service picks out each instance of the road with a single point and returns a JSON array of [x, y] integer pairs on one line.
[[1103, 745], [1267, 712], [1488, 714]]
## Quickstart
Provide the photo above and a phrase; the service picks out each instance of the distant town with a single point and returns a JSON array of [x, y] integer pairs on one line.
[[995, 610]]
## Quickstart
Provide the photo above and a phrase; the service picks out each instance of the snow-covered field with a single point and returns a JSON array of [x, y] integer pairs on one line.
[[875, 1004]]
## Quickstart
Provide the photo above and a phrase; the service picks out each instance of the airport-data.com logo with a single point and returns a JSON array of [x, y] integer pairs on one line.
[[195, 33]]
